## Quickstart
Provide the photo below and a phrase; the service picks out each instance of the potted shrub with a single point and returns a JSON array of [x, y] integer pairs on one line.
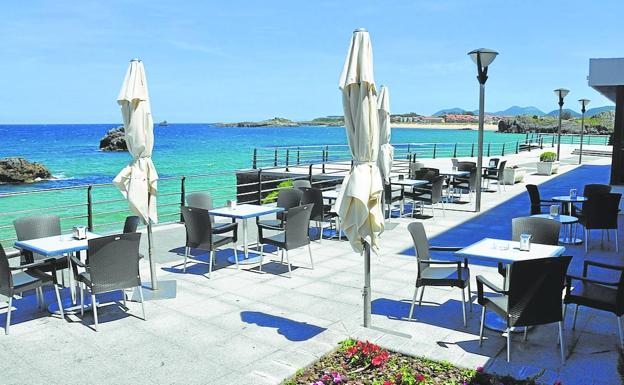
[[512, 175], [547, 164]]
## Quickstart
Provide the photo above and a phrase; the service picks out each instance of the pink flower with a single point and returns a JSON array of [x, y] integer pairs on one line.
[[479, 369], [558, 383], [388, 382], [337, 377], [420, 378]]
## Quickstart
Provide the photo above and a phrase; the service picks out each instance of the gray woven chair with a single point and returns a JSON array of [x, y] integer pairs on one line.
[[40, 226], [294, 235], [286, 198], [466, 184], [496, 176], [301, 183], [597, 293], [533, 297], [204, 201], [600, 212], [448, 273], [131, 224], [543, 230], [430, 195], [112, 265], [29, 278], [320, 212], [202, 236]]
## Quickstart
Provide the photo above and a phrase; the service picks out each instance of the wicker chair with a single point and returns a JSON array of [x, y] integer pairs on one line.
[[286, 199], [430, 195], [542, 230], [302, 183], [113, 265], [320, 212], [533, 297], [391, 196], [204, 201], [536, 201], [295, 234], [600, 212], [30, 277], [131, 224], [448, 273], [497, 176], [40, 226]]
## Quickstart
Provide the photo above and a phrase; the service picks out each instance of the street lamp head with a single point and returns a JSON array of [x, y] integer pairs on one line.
[[561, 92], [584, 103], [487, 56]]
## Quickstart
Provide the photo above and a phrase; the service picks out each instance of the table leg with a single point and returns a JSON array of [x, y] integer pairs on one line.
[[246, 250], [245, 259], [72, 286]]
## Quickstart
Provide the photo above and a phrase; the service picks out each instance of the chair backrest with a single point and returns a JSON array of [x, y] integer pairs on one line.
[[131, 224], [314, 196], [6, 278], [114, 262], [601, 211], [493, 163], [501, 168], [437, 184], [287, 198], [466, 166], [455, 162], [595, 188], [199, 200], [543, 230], [301, 183], [534, 196], [297, 228], [198, 226], [421, 243], [535, 290], [39, 226]]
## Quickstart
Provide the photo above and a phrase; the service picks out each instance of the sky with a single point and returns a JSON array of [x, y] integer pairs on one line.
[[63, 61]]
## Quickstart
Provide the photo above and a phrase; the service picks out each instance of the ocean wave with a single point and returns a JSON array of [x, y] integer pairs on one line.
[[61, 176]]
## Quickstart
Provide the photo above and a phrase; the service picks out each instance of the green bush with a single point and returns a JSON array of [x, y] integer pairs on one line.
[[548, 156], [272, 196]]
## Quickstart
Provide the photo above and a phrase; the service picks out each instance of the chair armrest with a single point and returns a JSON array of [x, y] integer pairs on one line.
[[225, 229], [77, 261], [603, 265], [13, 253], [445, 248], [434, 262], [48, 261], [481, 280], [269, 227], [570, 278]]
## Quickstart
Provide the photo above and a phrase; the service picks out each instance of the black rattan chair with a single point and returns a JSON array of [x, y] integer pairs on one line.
[[600, 212], [30, 277], [131, 224], [302, 184], [430, 195], [449, 273], [390, 196], [533, 298], [113, 265], [542, 230], [590, 190], [536, 201], [597, 294], [466, 184], [295, 234], [496, 176], [204, 201], [202, 236], [320, 212], [286, 198]]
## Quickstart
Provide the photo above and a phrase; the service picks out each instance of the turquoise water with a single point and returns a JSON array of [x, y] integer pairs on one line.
[[71, 153]]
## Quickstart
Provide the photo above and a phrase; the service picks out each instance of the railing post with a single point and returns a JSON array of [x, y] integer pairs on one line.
[[254, 162], [298, 156], [541, 142], [408, 148], [503, 150], [553, 141], [434, 150], [275, 158], [89, 208], [472, 150], [260, 186], [488, 151], [455, 151], [182, 196], [287, 156], [518, 146]]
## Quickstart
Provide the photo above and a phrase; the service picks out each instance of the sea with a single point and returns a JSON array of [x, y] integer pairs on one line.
[[71, 152]]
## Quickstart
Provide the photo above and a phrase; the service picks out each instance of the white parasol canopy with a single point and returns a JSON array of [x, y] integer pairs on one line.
[[359, 201], [386, 151], [138, 180]]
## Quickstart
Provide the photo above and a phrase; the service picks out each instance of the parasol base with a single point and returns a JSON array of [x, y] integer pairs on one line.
[[166, 290]]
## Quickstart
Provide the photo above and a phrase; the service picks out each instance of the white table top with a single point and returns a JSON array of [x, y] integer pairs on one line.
[[454, 173], [409, 182], [566, 198], [558, 218], [330, 194], [56, 245], [245, 211], [490, 249]]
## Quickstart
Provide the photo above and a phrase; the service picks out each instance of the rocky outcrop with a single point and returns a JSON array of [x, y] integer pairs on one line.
[[114, 140], [278, 122], [19, 170]]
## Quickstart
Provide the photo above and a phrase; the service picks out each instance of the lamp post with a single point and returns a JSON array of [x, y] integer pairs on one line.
[[561, 93], [584, 103], [482, 57]]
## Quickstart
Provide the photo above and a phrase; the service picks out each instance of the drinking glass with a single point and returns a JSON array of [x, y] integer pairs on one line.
[[401, 176], [573, 193], [554, 210], [525, 242]]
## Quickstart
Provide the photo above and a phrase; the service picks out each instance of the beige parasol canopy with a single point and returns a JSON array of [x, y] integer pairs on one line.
[[138, 180], [359, 201], [386, 151]]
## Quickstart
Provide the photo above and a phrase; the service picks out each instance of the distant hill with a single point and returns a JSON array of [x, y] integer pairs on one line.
[[571, 111], [593, 111], [455, 110], [517, 110]]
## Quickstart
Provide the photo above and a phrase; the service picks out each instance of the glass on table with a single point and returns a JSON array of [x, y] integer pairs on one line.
[[525, 242], [554, 210], [401, 176], [573, 193]]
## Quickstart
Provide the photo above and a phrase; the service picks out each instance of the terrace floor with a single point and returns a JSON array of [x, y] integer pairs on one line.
[[247, 327]]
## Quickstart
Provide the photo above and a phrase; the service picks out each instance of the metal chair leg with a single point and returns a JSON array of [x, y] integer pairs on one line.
[[211, 257], [574, 319], [81, 301], [236, 255], [422, 291], [617, 244], [524, 337], [289, 268], [586, 239], [508, 345], [58, 300], [310, 252], [411, 312], [561, 343], [469, 295], [261, 257], [186, 253], [464, 306], [481, 327], [123, 293], [94, 308], [620, 332], [8, 317], [142, 302]]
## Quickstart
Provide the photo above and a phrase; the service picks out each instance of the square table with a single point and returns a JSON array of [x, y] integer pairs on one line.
[[244, 212], [492, 250], [408, 183], [59, 245], [454, 173]]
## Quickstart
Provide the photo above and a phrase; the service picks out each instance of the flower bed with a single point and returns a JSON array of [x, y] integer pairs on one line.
[[364, 363]]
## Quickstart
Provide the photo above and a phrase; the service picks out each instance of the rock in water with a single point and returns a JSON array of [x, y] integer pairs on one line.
[[19, 170], [114, 140]]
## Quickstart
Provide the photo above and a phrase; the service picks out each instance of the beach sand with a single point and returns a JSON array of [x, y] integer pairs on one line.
[[446, 126]]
